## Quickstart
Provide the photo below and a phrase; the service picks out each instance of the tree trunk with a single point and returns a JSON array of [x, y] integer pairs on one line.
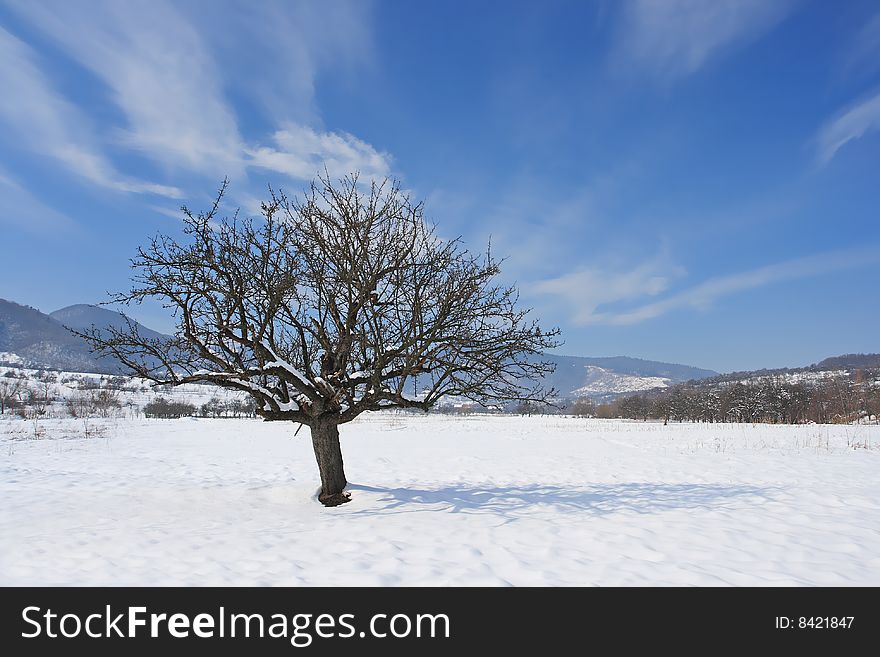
[[328, 453]]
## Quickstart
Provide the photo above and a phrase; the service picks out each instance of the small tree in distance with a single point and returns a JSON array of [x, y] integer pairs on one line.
[[321, 309]]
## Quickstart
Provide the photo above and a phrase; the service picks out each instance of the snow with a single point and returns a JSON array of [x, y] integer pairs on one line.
[[10, 358], [806, 376], [283, 364], [605, 382], [135, 392], [439, 500], [322, 382]]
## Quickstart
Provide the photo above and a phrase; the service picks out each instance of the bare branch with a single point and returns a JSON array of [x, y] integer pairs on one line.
[[322, 308]]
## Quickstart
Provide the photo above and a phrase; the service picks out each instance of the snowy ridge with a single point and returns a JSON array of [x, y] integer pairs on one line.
[[603, 383]]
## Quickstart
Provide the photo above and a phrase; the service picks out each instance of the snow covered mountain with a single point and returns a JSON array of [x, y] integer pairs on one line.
[[602, 382]]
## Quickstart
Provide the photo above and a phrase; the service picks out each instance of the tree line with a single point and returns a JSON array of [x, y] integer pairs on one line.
[[164, 408], [849, 398]]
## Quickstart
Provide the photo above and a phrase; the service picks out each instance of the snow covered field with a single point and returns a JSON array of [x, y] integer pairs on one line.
[[439, 500]]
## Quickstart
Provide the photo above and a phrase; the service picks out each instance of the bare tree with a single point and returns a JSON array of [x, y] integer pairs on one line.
[[582, 407], [344, 302], [9, 390]]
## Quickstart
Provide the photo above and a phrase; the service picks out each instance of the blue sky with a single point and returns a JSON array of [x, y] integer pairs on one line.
[[695, 181]]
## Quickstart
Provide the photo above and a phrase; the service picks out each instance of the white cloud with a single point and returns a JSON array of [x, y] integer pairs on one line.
[[705, 294], [677, 37], [854, 123], [49, 124], [301, 152]]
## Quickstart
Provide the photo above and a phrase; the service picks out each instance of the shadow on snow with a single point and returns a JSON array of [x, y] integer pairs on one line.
[[597, 499]]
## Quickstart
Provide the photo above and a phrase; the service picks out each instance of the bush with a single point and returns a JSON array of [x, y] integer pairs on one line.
[[165, 409], [91, 403]]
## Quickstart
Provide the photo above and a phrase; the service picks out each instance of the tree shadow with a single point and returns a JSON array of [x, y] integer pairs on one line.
[[596, 499]]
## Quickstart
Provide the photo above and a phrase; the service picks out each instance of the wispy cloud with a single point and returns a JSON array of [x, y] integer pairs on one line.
[[705, 294], [287, 46], [584, 291], [49, 124], [854, 123], [159, 75], [532, 222], [677, 37], [167, 68], [20, 208], [864, 49]]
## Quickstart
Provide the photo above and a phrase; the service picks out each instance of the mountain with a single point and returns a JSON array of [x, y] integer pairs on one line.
[[82, 316], [605, 379], [38, 340], [32, 338], [602, 379], [35, 339]]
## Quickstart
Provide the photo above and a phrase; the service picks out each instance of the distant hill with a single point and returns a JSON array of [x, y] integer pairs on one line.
[[82, 316], [849, 362], [605, 378], [35, 339], [845, 363], [32, 338], [40, 341]]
